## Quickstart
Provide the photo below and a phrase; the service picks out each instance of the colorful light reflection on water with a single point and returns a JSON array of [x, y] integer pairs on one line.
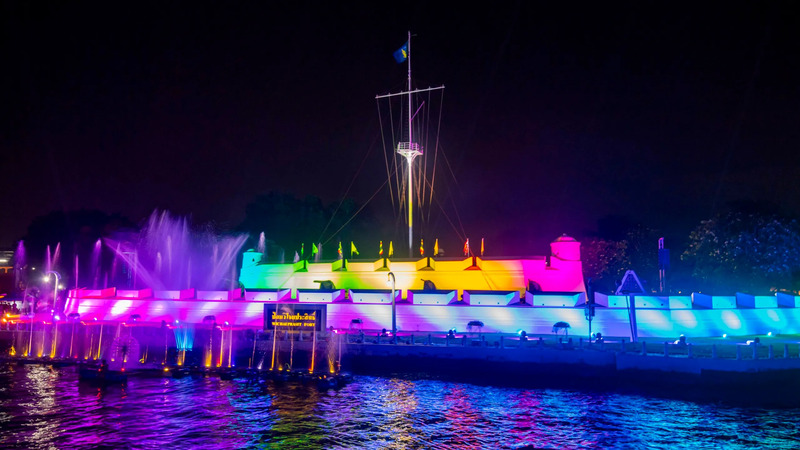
[[45, 407]]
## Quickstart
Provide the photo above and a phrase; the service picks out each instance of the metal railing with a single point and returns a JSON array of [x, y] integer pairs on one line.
[[675, 349]]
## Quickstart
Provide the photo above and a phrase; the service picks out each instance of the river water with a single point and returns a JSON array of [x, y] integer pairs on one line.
[[44, 407]]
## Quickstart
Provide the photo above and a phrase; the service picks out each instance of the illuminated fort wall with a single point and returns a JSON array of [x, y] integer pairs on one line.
[[561, 272], [491, 291], [779, 314]]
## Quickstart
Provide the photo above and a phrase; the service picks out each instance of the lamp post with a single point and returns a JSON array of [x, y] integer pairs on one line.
[[55, 285], [394, 307], [54, 344], [56, 318]]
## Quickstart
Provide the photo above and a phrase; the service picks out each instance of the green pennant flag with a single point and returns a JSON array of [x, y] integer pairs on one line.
[[314, 249], [353, 249]]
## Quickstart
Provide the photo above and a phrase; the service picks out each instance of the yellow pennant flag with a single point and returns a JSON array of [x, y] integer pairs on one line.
[[436, 248], [391, 249], [421, 247], [481, 246], [353, 249], [380, 252]]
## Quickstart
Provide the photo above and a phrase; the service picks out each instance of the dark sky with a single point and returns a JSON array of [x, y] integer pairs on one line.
[[555, 114]]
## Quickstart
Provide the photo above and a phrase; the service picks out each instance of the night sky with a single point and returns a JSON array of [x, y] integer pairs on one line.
[[555, 114]]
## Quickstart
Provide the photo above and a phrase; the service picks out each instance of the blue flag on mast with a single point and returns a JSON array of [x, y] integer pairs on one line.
[[401, 54]]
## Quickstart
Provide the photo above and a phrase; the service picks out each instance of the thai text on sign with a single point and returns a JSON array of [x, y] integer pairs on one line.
[[301, 320]]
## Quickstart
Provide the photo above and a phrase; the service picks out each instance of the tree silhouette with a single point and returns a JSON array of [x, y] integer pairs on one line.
[[76, 232], [745, 250], [288, 221]]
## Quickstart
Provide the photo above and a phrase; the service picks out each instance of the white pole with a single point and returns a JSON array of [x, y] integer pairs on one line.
[[408, 43], [394, 308], [230, 347], [410, 207], [313, 348], [410, 159]]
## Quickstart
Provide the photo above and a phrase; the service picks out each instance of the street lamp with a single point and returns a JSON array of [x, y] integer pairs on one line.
[[394, 307], [55, 285]]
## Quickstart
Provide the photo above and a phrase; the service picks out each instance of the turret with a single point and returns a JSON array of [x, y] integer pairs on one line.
[[564, 250], [251, 258]]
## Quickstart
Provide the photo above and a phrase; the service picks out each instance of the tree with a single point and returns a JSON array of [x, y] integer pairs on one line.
[[288, 221], [74, 233], [606, 260], [745, 251]]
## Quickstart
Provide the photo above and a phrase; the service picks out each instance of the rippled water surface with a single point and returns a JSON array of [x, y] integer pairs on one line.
[[42, 407]]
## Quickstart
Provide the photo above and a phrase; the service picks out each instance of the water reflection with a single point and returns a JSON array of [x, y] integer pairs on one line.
[[44, 407], [399, 405]]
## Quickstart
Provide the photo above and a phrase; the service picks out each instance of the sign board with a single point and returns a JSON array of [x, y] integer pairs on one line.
[[288, 316]]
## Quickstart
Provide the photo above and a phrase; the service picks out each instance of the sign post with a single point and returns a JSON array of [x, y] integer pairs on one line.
[[291, 317]]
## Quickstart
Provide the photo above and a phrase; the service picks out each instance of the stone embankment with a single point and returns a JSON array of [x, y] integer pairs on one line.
[[771, 366]]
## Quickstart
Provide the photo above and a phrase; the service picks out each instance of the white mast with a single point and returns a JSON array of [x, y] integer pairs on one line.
[[410, 150]]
